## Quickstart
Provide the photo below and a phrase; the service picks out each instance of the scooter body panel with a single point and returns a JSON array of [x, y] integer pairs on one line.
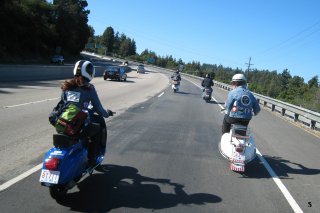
[[206, 95], [227, 147], [72, 161]]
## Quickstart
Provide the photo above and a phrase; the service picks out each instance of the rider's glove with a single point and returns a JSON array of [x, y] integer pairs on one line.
[[110, 113]]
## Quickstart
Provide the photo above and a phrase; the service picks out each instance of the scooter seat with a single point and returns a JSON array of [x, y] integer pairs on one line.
[[239, 129], [64, 141]]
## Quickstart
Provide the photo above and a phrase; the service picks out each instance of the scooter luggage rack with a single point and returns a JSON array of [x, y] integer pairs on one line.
[[240, 131], [240, 136]]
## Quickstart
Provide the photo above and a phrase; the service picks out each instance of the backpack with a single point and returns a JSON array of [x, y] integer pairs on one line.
[[67, 118], [175, 77]]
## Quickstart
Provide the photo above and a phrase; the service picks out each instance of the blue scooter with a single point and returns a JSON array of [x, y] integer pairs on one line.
[[67, 161]]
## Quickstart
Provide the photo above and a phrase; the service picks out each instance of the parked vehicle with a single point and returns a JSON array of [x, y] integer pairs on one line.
[[115, 73], [238, 147], [57, 59], [140, 68]]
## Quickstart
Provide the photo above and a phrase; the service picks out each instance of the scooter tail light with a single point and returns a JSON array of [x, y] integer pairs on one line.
[[52, 163], [239, 148]]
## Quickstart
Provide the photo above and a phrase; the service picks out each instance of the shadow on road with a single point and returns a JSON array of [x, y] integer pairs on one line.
[[282, 167], [186, 93], [122, 186], [27, 84], [214, 102], [114, 80]]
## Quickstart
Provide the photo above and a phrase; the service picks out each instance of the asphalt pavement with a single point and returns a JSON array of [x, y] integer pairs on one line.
[[162, 155]]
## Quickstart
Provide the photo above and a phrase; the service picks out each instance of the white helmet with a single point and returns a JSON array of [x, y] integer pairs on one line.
[[239, 77], [85, 69]]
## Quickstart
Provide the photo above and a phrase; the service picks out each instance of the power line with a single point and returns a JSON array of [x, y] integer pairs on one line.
[[249, 64], [294, 36]]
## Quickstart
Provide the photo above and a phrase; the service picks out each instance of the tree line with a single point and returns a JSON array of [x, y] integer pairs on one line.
[[35, 29], [281, 86], [112, 44]]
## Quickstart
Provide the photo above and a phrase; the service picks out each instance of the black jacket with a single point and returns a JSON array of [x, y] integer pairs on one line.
[[207, 82], [176, 77]]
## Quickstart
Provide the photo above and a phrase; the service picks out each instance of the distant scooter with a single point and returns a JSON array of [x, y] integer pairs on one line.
[[207, 92], [175, 85], [67, 162], [238, 147]]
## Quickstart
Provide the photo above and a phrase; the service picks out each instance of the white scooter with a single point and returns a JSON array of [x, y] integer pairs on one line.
[[175, 86], [238, 147]]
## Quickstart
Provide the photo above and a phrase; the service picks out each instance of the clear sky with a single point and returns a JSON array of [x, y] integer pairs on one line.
[[276, 34]]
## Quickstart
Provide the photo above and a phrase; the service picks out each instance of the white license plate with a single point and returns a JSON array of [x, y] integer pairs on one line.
[[238, 157], [48, 176]]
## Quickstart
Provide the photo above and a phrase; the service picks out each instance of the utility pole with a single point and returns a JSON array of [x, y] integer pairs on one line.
[[249, 64]]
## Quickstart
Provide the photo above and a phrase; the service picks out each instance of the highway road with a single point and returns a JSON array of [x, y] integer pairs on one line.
[[162, 154]]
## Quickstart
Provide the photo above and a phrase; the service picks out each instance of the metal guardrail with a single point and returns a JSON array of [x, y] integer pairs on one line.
[[296, 113], [307, 117]]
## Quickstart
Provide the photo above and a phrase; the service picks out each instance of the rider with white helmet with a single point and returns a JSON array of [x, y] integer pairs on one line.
[[80, 92], [240, 104], [85, 69]]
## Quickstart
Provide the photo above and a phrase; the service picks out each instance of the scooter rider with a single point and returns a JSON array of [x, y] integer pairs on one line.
[[207, 82], [176, 76], [240, 104], [81, 92]]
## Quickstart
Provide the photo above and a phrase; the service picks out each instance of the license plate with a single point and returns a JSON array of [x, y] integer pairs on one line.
[[236, 167], [48, 176], [237, 157], [237, 163]]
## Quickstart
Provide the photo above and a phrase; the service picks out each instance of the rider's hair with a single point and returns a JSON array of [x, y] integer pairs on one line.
[[238, 83], [75, 82]]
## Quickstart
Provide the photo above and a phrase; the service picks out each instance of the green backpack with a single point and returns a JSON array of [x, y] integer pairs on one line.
[[71, 120]]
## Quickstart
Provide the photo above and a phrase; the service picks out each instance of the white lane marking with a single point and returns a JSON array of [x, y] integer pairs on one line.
[[33, 102], [20, 177], [160, 95], [294, 205], [218, 104]]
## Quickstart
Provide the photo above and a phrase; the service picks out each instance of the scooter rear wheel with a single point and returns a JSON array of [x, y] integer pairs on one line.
[[58, 193]]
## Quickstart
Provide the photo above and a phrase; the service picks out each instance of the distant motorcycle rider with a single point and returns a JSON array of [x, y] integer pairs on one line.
[[240, 104], [80, 92], [176, 76], [207, 83]]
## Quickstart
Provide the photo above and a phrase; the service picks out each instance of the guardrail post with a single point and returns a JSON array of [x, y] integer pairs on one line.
[[265, 103], [283, 111], [296, 117], [273, 107], [313, 124]]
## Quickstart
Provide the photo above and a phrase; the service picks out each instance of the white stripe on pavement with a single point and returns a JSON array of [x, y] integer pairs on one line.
[[20, 177], [296, 208], [160, 95], [33, 102]]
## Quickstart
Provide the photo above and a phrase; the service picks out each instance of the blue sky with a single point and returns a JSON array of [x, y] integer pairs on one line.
[[276, 34]]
